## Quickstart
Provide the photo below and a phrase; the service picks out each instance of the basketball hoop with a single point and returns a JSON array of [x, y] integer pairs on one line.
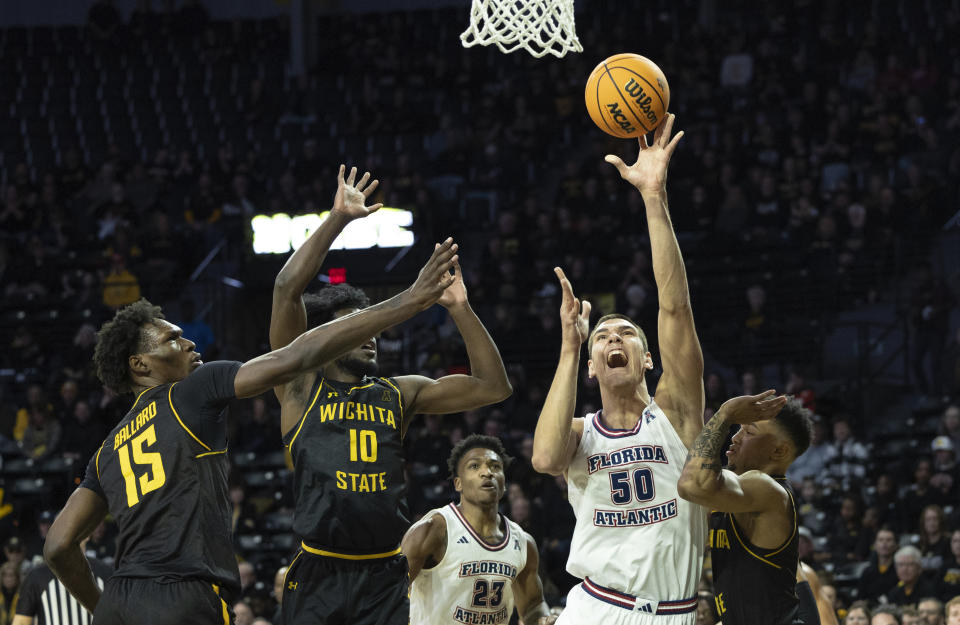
[[538, 26]]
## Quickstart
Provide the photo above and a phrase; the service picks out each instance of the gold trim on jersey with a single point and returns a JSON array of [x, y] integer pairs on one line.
[[290, 568], [194, 436], [137, 400], [788, 541], [347, 556], [96, 461], [303, 419], [399, 399], [733, 524], [210, 453], [357, 388], [225, 612]]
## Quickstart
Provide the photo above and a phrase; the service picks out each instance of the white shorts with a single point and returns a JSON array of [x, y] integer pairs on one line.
[[584, 609]]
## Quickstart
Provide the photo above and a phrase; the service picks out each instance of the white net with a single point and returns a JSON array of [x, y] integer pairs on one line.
[[538, 26]]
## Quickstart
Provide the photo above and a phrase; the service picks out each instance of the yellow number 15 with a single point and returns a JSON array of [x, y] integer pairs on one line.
[[140, 457]]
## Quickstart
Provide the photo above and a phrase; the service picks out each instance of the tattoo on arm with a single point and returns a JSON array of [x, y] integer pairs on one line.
[[708, 443]]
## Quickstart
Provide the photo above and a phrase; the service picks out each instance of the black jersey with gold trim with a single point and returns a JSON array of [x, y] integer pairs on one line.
[[163, 472], [348, 468], [753, 585]]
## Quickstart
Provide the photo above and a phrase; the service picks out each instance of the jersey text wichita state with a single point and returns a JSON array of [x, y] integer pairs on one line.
[[348, 467]]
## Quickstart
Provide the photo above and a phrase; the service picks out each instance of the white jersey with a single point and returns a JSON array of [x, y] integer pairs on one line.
[[473, 583], [634, 533]]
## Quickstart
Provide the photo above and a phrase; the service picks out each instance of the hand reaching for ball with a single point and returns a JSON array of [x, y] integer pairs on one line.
[[649, 173]]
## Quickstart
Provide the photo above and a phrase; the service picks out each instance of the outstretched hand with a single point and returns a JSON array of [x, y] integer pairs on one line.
[[753, 408], [435, 277], [456, 293], [574, 315], [649, 172], [350, 200]]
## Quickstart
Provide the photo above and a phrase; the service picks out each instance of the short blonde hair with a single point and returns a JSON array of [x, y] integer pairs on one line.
[[950, 604]]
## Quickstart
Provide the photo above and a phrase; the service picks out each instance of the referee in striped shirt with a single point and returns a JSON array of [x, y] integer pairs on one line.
[[45, 601]]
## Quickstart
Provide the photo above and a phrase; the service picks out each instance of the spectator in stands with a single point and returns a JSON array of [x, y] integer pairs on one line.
[[258, 432], [83, 432], [931, 609], [120, 286], [858, 614], [41, 437], [15, 552], [243, 613], [910, 616], [846, 456], [949, 574], [884, 500], [946, 473], [277, 593], [934, 538], [9, 591], [911, 585], [814, 459], [918, 495], [950, 423], [886, 614], [880, 576], [848, 542], [952, 611]]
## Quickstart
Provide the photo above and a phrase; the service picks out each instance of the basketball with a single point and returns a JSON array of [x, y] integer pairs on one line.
[[627, 95]]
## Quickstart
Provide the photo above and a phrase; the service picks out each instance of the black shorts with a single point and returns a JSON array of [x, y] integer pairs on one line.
[[136, 601], [322, 590]]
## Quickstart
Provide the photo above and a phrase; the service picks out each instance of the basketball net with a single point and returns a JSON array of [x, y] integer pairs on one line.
[[537, 26]]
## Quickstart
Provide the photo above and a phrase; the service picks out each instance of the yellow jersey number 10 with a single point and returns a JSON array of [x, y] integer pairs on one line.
[[146, 482]]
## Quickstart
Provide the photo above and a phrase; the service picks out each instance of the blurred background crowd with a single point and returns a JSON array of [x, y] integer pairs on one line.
[[815, 197]]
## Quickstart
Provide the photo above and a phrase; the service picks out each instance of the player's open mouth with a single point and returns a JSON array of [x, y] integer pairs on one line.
[[616, 358], [196, 361], [489, 485], [731, 451]]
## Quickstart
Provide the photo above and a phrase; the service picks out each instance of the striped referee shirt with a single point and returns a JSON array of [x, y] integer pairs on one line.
[[44, 598]]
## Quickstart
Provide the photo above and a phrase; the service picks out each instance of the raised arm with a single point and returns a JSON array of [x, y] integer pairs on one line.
[[331, 340], [558, 433], [528, 590], [288, 318], [487, 382], [680, 389], [83, 512], [705, 482], [425, 544]]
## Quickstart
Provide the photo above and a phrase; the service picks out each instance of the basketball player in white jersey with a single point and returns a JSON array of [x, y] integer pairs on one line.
[[468, 563], [637, 546]]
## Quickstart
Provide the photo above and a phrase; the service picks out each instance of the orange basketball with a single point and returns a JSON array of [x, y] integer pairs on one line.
[[627, 95]]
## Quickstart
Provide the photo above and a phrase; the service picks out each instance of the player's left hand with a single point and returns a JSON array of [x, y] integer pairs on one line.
[[350, 200], [753, 408], [456, 293], [649, 173]]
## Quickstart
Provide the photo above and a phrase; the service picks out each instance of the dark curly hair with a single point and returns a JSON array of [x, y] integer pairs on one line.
[[473, 442], [797, 423], [324, 303], [121, 338]]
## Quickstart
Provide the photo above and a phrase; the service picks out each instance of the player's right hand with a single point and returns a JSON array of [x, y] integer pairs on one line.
[[574, 315], [753, 408], [436, 275], [350, 200]]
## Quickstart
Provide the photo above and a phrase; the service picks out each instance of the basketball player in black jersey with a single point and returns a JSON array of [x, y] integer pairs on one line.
[[753, 525], [162, 472], [344, 427]]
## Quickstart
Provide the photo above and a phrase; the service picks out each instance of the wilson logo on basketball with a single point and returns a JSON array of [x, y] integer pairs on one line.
[[641, 99]]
